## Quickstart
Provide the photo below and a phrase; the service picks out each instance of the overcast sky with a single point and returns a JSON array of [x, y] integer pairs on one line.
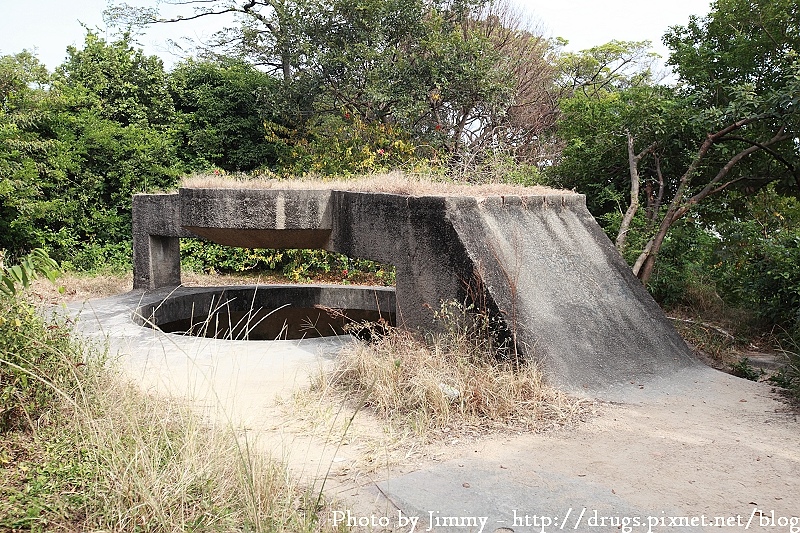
[[49, 26]]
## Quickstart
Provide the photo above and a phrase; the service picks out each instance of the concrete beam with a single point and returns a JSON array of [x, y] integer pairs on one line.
[[260, 218]]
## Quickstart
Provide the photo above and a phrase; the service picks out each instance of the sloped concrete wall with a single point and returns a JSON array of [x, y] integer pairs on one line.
[[572, 301]]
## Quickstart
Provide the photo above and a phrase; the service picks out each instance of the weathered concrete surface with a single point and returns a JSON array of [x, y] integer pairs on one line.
[[238, 376], [570, 298], [695, 443], [413, 234], [260, 218], [156, 241], [539, 264]]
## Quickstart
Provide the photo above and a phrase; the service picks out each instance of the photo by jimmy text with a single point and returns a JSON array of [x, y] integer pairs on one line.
[[410, 523], [581, 518]]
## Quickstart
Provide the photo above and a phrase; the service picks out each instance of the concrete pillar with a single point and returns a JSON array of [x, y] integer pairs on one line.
[[156, 241]]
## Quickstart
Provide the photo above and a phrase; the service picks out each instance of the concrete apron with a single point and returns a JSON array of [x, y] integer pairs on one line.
[[242, 377], [549, 482]]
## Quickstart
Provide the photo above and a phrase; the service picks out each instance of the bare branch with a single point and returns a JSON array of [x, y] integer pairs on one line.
[[196, 16]]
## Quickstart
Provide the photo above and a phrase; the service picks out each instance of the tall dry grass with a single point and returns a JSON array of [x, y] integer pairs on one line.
[[167, 467], [106, 456], [393, 182], [452, 378]]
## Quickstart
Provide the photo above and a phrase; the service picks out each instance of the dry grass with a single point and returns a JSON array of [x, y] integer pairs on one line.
[[75, 286], [167, 468], [453, 379], [393, 182], [112, 458]]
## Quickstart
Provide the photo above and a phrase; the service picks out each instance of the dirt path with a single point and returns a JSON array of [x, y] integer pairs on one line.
[[700, 444]]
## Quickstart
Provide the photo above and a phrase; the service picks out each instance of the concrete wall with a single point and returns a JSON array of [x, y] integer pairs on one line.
[[540, 265]]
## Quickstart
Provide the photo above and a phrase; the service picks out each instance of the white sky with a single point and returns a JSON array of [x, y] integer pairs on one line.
[[49, 26]]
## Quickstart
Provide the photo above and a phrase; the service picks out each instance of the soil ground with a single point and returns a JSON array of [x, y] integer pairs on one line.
[[707, 444]]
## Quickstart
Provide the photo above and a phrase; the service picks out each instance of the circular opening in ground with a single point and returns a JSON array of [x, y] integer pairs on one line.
[[271, 312]]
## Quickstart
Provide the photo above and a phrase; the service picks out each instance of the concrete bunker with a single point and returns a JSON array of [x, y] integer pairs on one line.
[[539, 264], [270, 312]]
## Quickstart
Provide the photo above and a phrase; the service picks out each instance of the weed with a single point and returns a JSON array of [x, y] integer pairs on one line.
[[453, 378], [709, 337], [788, 377], [743, 369], [30, 347], [82, 449]]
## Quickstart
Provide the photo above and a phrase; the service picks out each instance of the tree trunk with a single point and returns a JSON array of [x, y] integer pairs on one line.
[[633, 165], [643, 268]]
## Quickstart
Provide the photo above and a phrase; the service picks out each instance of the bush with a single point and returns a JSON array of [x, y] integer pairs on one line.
[[343, 146], [683, 274], [759, 261], [38, 360], [298, 265]]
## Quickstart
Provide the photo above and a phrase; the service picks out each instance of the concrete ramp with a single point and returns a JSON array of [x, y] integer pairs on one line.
[[541, 263], [564, 290]]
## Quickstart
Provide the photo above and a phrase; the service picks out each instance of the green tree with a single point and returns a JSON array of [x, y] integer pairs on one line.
[[731, 126], [614, 66], [739, 67], [30, 155], [220, 115], [758, 255], [116, 82], [461, 78], [751, 43], [115, 118]]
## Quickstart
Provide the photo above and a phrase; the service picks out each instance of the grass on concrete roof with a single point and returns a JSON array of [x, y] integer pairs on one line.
[[392, 182]]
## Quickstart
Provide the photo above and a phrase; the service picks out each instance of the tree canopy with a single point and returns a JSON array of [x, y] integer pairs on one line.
[[467, 89]]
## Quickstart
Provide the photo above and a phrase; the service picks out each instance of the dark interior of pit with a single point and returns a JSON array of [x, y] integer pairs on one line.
[[286, 323], [272, 312]]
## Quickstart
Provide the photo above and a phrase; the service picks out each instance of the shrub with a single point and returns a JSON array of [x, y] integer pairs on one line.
[[298, 265], [37, 358]]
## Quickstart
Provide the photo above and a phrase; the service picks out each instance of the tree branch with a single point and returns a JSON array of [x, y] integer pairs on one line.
[[710, 187], [197, 16], [633, 168], [766, 148]]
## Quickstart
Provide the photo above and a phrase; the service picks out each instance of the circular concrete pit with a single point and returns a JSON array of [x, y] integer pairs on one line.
[[269, 312]]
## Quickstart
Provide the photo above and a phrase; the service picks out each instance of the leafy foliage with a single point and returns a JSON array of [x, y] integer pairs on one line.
[[758, 257], [36, 361], [344, 145], [297, 265], [221, 115], [36, 263], [461, 78], [76, 151], [29, 156], [116, 82], [740, 42]]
